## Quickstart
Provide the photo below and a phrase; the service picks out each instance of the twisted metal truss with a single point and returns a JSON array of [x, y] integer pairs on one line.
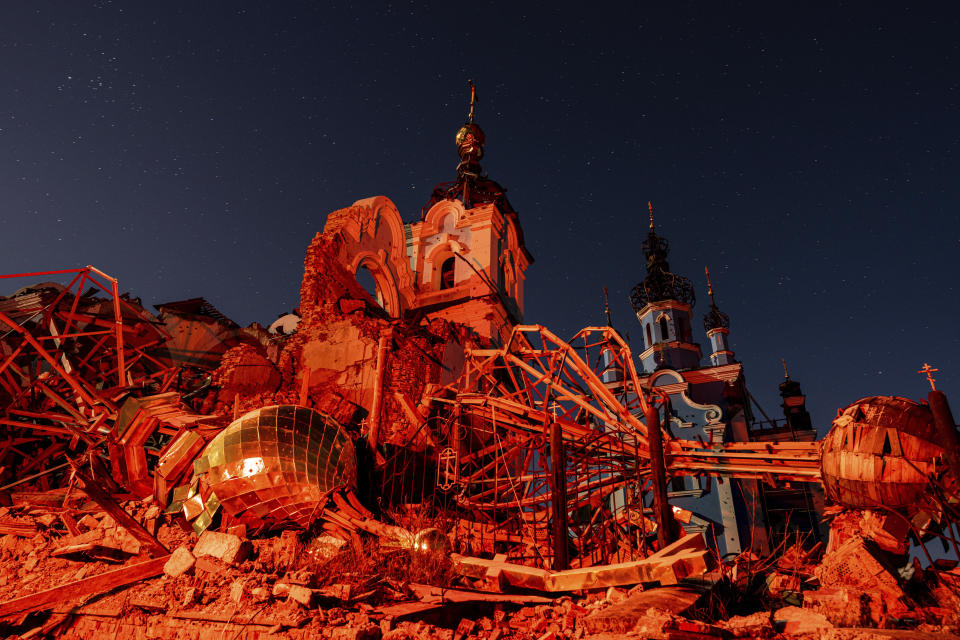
[[68, 356], [497, 458]]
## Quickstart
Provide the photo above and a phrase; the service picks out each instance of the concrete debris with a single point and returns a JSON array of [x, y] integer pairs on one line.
[[854, 565], [797, 621], [254, 586], [181, 561]]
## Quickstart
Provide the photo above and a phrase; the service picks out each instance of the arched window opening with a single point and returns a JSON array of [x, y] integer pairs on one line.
[[447, 272], [664, 332], [366, 280], [649, 337]]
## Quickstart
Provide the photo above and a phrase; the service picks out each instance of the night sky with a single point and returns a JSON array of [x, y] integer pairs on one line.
[[807, 155]]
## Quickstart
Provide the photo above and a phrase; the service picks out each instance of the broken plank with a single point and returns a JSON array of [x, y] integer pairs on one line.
[[69, 523], [86, 587], [515, 575], [230, 615], [675, 562], [122, 518], [19, 529], [693, 541], [665, 570], [431, 595]]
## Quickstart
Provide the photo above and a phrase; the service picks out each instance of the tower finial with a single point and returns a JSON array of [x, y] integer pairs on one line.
[[714, 319], [606, 306], [650, 206], [927, 369], [470, 141], [786, 374], [473, 100]]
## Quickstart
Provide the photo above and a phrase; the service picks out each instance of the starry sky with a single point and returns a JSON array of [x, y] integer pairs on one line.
[[806, 153]]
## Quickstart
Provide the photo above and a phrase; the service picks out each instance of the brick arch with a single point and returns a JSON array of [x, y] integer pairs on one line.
[[371, 233], [386, 284]]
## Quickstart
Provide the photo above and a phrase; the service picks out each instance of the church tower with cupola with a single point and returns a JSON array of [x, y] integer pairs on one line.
[[717, 325], [663, 302], [465, 259], [468, 251]]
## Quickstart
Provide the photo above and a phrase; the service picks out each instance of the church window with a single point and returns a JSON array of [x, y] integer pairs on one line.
[[446, 273], [649, 337], [664, 333]]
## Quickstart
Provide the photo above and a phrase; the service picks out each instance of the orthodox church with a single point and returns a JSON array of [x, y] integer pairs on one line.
[[710, 401]]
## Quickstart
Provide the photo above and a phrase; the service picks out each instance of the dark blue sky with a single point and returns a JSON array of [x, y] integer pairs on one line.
[[807, 155]]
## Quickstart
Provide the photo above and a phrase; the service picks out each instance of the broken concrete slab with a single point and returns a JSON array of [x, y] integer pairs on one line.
[[624, 616]]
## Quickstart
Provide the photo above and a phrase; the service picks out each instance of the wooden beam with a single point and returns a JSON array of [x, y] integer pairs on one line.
[[83, 588], [123, 518], [685, 557], [558, 499], [661, 507]]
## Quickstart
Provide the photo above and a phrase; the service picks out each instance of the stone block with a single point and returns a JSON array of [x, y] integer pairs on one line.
[[300, 594], [181, 561], [222, 546]]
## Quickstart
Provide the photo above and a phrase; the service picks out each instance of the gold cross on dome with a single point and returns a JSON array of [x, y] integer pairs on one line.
[[927, 369]]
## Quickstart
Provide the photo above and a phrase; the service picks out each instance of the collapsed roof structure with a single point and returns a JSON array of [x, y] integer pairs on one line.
[[556, 466]]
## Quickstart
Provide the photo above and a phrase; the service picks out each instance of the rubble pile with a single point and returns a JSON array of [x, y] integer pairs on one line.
[[68, 569]]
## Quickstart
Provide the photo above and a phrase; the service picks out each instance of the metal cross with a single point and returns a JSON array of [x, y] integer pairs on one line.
[[927, 369]]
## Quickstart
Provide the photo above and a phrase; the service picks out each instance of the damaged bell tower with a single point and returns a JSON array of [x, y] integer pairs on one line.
[[464, 261], [468, 250]]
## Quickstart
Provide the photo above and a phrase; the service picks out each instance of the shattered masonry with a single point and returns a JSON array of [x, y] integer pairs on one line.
[[416, 461]]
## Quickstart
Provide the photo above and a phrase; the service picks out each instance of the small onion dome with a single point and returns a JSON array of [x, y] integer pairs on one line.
[[714, 319]]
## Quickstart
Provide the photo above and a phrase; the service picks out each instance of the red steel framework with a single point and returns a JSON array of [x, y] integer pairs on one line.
[[68, 356], [543, 423], [545, 449]]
